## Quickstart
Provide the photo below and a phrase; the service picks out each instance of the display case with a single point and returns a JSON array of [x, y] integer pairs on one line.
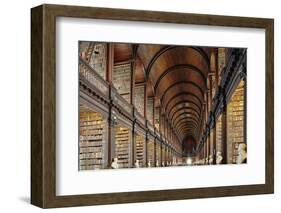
[[92, 140], [235, 121], [122, 145]]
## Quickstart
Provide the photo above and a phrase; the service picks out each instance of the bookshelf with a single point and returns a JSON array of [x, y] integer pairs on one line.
[[92, 140], [158, 154], [121, 78], [139, 99], [150, 153], [98, 58], [235, 121], [163, 156], [149, 110], [122, 140], [140, 140], [219, 134], [157, 117]]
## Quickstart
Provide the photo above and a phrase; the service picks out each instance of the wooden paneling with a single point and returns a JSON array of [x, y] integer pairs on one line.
[[122, 52]]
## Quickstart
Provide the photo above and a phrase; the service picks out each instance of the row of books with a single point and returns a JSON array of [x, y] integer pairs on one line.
[[92, 140], [122, 139]]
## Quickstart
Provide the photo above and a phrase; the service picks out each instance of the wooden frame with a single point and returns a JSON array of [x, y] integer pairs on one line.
[[43, 105]]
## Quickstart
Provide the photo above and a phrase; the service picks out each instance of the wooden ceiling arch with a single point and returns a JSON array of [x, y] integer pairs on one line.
[[188, 114], [164, 49], [184, 103], [187, 130], [185, 80], [180, 111], [193, 97], [176, 56], [189, 123], [200, 90], [186, 120], [174, 76], [179, 67]]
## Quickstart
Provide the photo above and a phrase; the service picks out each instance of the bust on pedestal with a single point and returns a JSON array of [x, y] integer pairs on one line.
[[137, 165], [206, 160], [219, 157], [242, 153], [114, 164], [211, 159]]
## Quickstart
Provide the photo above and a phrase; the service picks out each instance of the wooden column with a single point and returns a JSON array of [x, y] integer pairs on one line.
[[224, 134], [110, 62], [110, 129], [133, 70], [207, 113], [161, 149], [132, 95], [224, 137], [133, 147], [145, 157], [155, 152], [210, 94], [165, 156], [145, 100]]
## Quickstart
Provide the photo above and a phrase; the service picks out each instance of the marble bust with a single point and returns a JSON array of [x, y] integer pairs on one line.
[[157, 163], [242, 153], [206, 160], [219, 158], [211, 159], [114, 164], [137, 165]]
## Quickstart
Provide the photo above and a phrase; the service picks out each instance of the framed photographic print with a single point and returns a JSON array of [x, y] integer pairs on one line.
[[137, 106]]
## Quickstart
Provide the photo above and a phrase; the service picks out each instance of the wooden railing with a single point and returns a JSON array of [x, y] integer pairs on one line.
[[117, 98], [93, 77], [157, 133], [150, 127], [139, 117]]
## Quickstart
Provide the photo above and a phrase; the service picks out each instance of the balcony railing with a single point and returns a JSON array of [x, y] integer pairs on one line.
[[86, 71], [157, 133], [150, 127], [139, 117], [117, 98]]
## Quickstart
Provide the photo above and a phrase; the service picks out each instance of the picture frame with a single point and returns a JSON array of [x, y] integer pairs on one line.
[[43, 105]]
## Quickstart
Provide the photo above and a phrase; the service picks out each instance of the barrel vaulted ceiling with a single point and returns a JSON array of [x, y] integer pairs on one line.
[[177, 79]]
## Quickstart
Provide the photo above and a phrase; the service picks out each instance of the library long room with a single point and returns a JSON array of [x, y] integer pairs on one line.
[[148, 105]]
